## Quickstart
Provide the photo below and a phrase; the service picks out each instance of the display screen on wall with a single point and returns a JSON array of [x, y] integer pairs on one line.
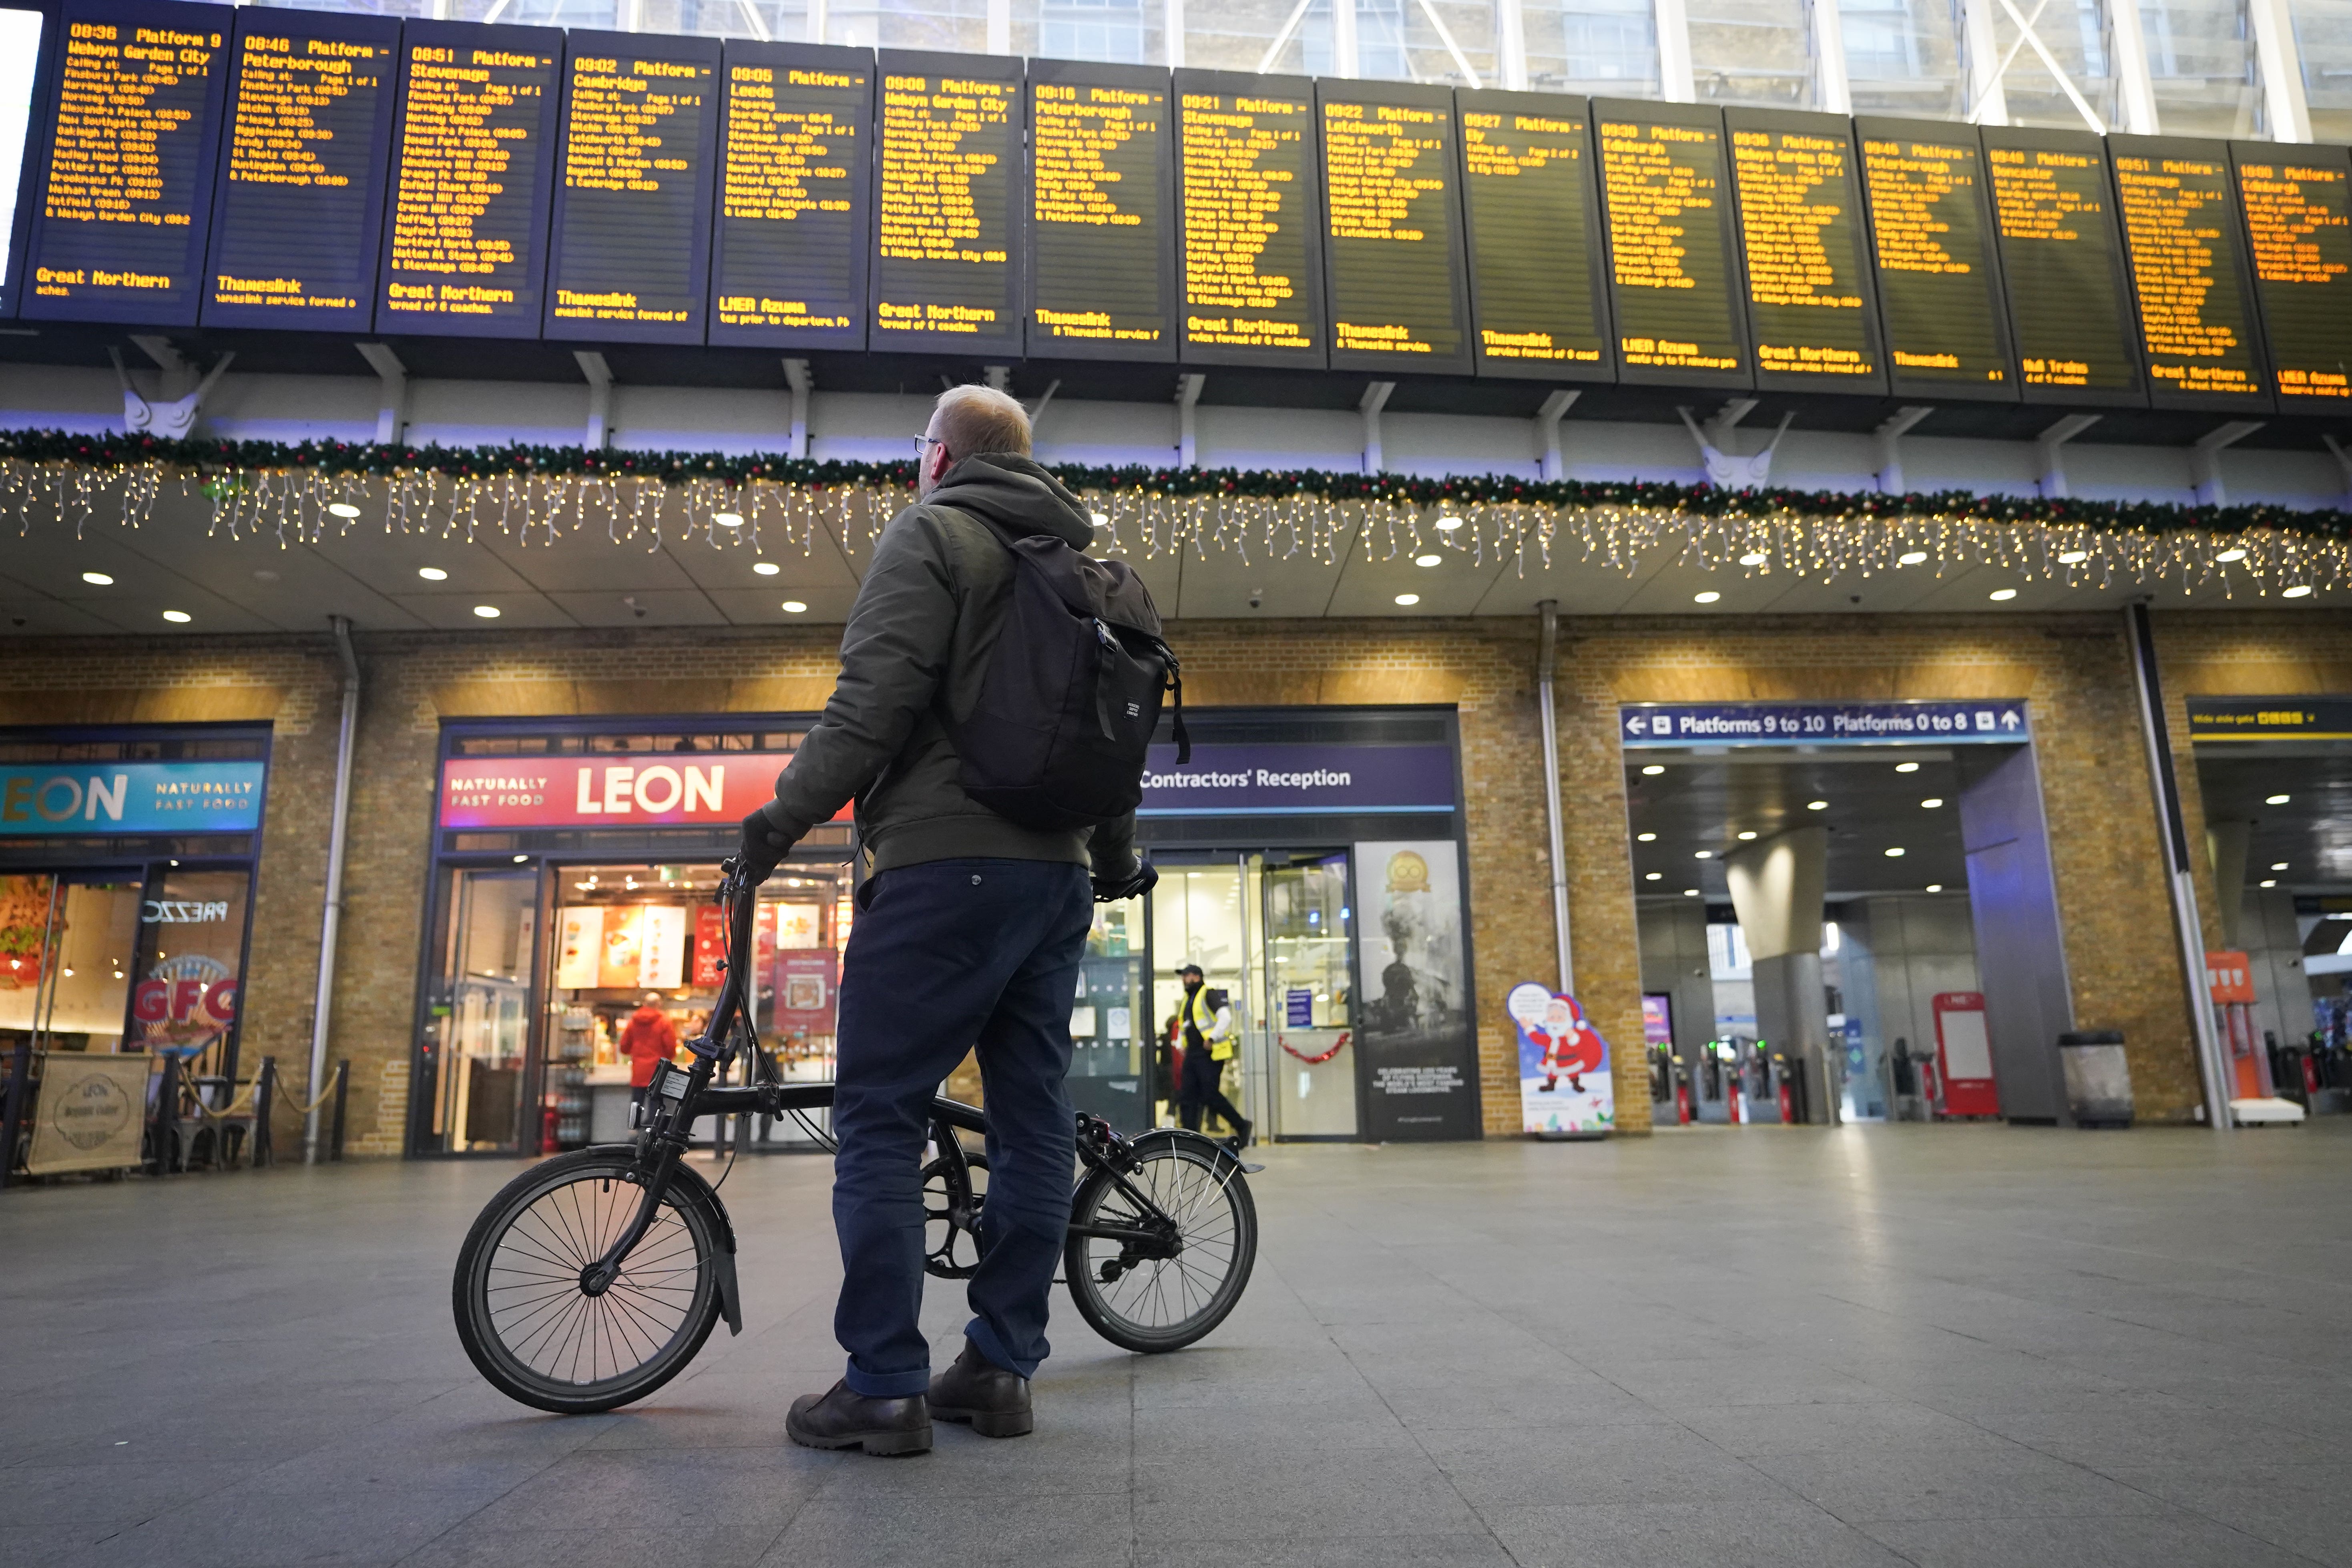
[[947, 208], [298, 211], [1251, 211], [629, 247], [27, 40], [1538, 273], [1938, 277], [1102, 213], [1672, 250], [795, 197], [2191, 274], [2062, 257], [1399, 293], [473, 173], [1418, 1060], [2298, 209], [126, 199], [1808, 259]]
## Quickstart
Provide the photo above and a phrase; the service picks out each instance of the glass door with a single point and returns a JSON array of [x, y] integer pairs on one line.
[[67, 944], [1198, 917], [477, 1017], [1309, 995], [1109, 1028]]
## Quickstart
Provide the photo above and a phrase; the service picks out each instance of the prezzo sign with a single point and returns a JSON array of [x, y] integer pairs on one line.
[[132, 798], [1293, 779], [1994, 720], [588, 792]]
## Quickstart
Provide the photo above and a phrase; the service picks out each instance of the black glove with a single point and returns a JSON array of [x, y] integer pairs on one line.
[[1135, 886], [762, 847]]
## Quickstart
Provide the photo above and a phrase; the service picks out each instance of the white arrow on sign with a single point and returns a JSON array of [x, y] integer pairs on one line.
[[2008, 719], [1634, 725]]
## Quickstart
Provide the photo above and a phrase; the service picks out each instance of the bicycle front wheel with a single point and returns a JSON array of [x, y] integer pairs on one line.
[[1129, 1294], [536, 1334]]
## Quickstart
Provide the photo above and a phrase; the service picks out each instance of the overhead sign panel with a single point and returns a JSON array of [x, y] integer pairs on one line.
[[473, 175], [2270, 718], [1672, 249], [1810, 304], [1539, 272], [2297, 203], [2190, 273], [1250, 204], [86, 798], [127, 196], [1102, 213], [298, 212], [948, 213], [2062, 259], [788, 266], [629, 246], [1284, 779], [1937, 276], [1399, 295], [1987, 721]]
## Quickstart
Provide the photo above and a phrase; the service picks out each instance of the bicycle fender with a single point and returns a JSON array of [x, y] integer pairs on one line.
[[691, 1184]]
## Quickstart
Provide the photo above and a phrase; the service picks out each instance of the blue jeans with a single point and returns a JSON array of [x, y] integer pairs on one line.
[[947, 956]]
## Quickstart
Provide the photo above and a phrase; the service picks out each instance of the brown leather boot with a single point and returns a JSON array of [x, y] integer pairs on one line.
[[975, 1389], [839, 1419]]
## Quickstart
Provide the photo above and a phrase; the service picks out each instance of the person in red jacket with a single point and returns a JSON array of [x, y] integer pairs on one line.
[[646, 1038]]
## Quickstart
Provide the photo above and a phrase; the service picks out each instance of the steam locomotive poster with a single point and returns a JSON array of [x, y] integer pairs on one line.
[[1419, 1058]]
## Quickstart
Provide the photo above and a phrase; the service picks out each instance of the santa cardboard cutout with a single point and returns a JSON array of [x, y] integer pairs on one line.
[[1565, 1090]]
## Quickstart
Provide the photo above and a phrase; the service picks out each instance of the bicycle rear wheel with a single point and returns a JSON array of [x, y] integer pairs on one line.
[[1153, 1303], [539, 1338]]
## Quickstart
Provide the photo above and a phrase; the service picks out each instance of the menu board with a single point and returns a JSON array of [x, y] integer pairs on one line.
[[1538, 274], [2298, 211], [2190, 273], [1666, 188], [1251, 209], [1399, 286], [127, 196], [1102, 213], [1938, 279], [2061, 259], [471, 177], [947, 251], [795, 197], [27, 63], [297, 214], [629, 248], [1807, 252]]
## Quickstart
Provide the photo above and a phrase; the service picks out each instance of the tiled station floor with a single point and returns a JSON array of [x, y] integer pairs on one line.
[[1952, 1346]]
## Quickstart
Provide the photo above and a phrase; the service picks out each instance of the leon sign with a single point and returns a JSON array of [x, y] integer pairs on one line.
[[681, 788]]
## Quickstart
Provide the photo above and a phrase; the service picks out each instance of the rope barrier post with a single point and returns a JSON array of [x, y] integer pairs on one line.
[[12, 1116], [342, 1086], [263, 1149], [167, 1116]]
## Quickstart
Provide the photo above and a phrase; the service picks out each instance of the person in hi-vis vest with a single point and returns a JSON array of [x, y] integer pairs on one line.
[[1208, 1044]]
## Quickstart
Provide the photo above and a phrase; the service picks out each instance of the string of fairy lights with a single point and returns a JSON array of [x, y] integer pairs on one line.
[[772, 507]]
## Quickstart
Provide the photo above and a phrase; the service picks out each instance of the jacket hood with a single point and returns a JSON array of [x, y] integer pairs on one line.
[[1016, 494]]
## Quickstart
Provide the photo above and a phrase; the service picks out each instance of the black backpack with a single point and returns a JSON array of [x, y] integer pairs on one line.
[[1068, 706]]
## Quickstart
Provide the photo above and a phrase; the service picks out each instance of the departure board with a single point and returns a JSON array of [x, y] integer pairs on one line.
[[1666, 189], [1810, 304], [298, 212], [2297, 203], [946, 213], [628, 249], [1251, 209], [2062, 259], [127, 197], [2200, 337], [1938, 277], [472, 170], [1102, 212], [1398, 285], [28, 60], [1539, 274], [795, 197]]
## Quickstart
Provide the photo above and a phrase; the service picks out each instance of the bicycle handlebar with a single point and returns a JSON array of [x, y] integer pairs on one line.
[[740, 896]]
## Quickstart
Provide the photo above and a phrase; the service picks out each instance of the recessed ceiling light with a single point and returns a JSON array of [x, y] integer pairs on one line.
[[178, 617], [794, 607], [432, 574], [1935, 886], [1653, 770], [1654, 876], [1895, 853], [342, 509], [2300, 591], [1428, 560], [520, 859], [1932, 802], [1690, 893], [1408, 599], [1911, 558], [2276, 799], [265, 575], [1744, 838], [2269, 883], [2230, 555], [766, 568], [1754, 558], [2002, 595], [1907, 767], [727, 519], [1709, 597], [1102, 518], [1449, 523], [2278, 865], [2073, 557], [1704, 855], [98, 579], [1645, 839], [487, 612], [1817, 805]]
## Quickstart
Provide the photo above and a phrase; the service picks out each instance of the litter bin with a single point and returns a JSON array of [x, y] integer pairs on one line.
[[2098, 1078]]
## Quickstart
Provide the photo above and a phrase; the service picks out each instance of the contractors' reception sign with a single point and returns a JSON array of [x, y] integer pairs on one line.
[[1287, 779], [130, 798], [656, 790]]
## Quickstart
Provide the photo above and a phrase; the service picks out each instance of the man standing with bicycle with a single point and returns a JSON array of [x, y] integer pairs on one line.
[[970, 930]]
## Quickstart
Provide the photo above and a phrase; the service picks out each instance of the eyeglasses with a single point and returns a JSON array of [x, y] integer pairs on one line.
[[922, 444]]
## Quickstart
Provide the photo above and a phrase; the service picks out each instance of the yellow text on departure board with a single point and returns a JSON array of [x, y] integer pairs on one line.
[[459, 129], [2289, 209], [1379, 161], [2173, 210], [1650, 197], [783, 160], [2030, 201], [1787, 186], [276, 137], [928, 210], [1075, 134], [1240, 156], [615, 138], [1489, 150], [1906, 184]]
